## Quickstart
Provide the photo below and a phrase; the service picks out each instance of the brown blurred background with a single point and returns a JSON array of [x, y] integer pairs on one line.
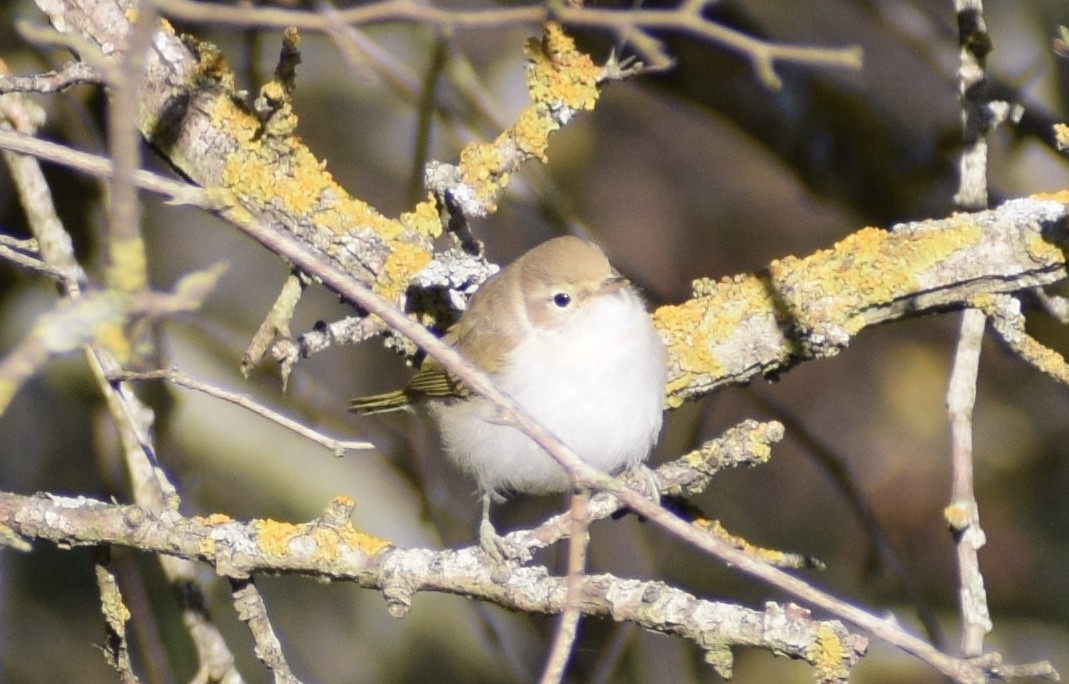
[[698, 171]]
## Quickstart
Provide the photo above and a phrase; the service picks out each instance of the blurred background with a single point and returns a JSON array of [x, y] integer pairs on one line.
[[697, 171]]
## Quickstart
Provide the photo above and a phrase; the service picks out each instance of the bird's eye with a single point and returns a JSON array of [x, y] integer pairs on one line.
[[562, 299]]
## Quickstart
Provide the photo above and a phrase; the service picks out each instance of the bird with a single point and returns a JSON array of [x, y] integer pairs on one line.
[[568, 338]]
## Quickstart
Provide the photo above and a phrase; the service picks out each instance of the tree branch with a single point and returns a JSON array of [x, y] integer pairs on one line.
[[329, 547]]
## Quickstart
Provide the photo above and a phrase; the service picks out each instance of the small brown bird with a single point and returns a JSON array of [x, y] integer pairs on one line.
[[567, 337]]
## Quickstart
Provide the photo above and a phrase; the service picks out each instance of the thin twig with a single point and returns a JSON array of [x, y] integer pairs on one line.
[[1006, 318], [1056, 306], [116, 615], [963, 513], [338, 446], [27, 245], [630, 24], [837, 467], [15, 257], [178, 192], [126, 259], [251, 609], [568, 623], [70, 74]]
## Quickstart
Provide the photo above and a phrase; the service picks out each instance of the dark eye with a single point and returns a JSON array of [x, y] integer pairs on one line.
[[562, 299]]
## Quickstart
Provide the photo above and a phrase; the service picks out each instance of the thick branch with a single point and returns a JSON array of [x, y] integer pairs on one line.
[[330, 547], [803, 308]]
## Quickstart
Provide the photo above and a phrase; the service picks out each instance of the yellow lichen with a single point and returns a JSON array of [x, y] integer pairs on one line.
[[560, 74], [482, 169], [1057, 196], [424, 219], [1061, 135], [531, 133], [111, 336], [681, 327], [695, 328], [283, 172], [274, 537], [115, 610], [868, 268], [363, 542], [273, 90], [212, 64], [827, 653], [561, 81], [1043, 250], [213, 520], [404, 261], [127, 271]]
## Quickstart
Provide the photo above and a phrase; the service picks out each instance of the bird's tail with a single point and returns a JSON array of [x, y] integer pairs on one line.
[[380, 403]]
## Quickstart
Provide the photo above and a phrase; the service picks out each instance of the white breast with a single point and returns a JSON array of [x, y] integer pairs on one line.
[[597, 383]]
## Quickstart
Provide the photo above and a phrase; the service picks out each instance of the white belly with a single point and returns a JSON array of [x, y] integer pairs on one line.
[[600, 392]]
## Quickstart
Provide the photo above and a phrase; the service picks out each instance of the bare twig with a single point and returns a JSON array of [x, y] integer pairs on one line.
[[53, 244], [338, 446], [633, 25], [963, 513], [116, 615], [27, 245], [568, 623], [178, 192], [70, 74], [1055, 305], [126, 250], [16, 257], [251, 609], [837, 467]]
